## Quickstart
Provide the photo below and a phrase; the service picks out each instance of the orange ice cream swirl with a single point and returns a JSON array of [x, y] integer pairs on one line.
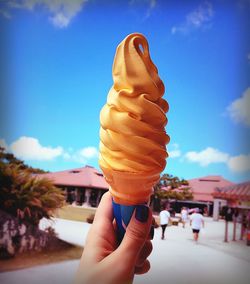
[[132, 134]]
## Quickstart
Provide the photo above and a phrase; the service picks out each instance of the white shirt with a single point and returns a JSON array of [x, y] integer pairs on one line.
[[196, 219], [164, 217], [184, 215]]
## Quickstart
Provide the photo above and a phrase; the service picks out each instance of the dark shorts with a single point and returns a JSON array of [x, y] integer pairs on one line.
[[164, 226], [196, 231]]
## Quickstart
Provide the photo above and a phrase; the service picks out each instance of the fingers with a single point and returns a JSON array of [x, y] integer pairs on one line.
[[144, 268], [104, 210], [102, 227], [144, 253], [136, 234], [104, 214], [142, 264]]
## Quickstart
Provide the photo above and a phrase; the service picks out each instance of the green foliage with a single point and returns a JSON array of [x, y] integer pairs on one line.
[[174, 188], [23, 194]]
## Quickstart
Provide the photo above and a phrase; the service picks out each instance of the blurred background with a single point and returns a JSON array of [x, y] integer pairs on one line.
[[56, 71]]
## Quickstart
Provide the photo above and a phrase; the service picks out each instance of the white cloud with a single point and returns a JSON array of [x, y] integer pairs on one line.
[[61, 12], [89, 152], [3, 144], [199, 18], [239, 163], [175, 153], [207, 157], [81, 156], [239, 110], [60, 20], [29, 148], [150, 4], [66, 156], [5, 14]]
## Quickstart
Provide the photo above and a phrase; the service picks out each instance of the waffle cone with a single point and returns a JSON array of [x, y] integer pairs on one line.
[[130, 188]]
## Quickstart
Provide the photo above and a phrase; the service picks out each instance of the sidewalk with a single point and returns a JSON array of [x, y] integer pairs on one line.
[[179, 260], [73, 232], [176, 260]]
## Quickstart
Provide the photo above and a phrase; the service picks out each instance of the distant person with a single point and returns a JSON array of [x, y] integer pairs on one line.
[[205, 211], [196, 222], [184, 216], [164, 219]]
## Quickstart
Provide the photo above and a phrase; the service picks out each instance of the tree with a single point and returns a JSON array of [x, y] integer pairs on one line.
[[170, 187], [9, 158], [23, 194]]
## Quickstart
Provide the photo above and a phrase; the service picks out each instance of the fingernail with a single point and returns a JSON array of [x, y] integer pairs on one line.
[[152, 232], [141, 213]]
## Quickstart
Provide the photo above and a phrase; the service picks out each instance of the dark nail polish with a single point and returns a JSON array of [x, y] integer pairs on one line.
[[152, 232], [141, 213]]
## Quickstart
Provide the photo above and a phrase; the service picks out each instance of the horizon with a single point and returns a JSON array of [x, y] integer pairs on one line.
[[57, 70]]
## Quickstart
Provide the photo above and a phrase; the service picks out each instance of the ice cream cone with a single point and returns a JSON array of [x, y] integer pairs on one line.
[[132, 134], [130, 188]]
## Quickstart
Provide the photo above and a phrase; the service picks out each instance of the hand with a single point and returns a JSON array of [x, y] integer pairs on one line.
[[105, 262]]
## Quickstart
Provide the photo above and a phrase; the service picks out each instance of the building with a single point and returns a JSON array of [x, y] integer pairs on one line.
[[85, 186], [234, 196], [234, 202], [82, 186], [202, 189]]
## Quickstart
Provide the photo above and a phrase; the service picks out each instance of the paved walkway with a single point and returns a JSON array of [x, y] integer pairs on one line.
[[73, 232], [179, 260], [176, 260]]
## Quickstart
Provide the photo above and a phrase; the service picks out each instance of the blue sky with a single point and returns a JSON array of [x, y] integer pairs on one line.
[[56, 72]]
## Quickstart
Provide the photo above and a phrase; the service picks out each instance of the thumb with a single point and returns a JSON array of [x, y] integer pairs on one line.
[[136, 233]]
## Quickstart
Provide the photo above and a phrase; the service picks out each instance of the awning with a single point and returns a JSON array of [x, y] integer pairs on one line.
[[234, 192]]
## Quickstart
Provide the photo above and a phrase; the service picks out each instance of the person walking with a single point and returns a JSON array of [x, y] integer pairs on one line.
[[164, 219], [184, 216], [196, 222]]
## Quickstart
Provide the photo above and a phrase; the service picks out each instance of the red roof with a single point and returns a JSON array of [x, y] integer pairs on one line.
[[236, 192], [81, 177], [203, 187]]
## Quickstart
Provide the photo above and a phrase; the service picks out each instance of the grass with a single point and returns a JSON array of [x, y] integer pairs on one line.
[[62, 252], [75, 213]]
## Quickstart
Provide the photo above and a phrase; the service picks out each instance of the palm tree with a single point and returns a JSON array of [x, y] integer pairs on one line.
[[26, 196]]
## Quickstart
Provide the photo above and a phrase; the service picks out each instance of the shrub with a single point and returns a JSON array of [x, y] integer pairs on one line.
[[90, 218], [27, 197]]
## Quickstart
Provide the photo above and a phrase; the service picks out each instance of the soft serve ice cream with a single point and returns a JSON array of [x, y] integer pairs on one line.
[[132, 134]]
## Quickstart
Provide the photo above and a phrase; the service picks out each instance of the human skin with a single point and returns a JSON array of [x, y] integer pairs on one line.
[[103, 261]]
